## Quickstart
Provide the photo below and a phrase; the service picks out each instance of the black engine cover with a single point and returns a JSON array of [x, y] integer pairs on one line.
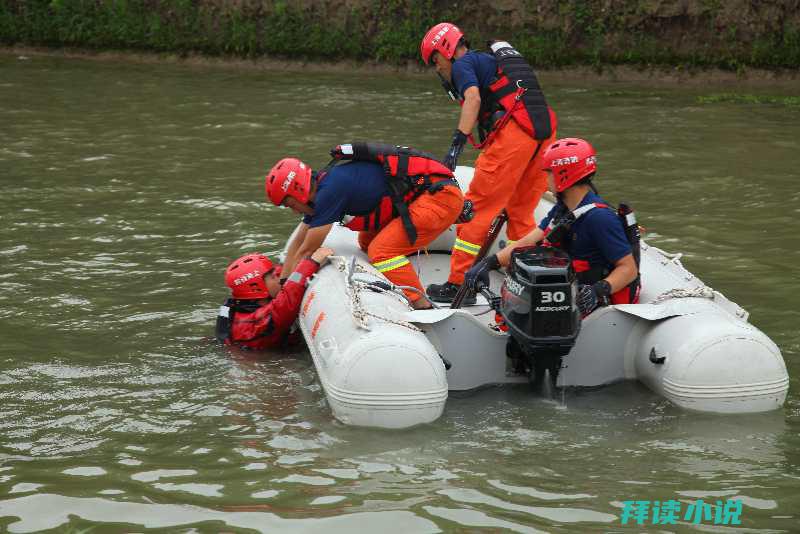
[[538, 300]]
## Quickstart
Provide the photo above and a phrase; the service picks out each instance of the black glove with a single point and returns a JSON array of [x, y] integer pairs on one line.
[[456, 147], [478, 274], [467, 212], [590, 297]]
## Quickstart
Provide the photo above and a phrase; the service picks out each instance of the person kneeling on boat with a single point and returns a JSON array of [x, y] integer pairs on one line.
[[397, 198], [604, 250], [260, 312]]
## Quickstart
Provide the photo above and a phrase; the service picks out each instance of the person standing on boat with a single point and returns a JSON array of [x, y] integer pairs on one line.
[[260, 311], [604, 251], [500, 94], [397, 198]]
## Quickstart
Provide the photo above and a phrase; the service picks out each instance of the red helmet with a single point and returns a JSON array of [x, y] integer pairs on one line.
[[289, 176], [442, 38], [245, 276], [571, 160]]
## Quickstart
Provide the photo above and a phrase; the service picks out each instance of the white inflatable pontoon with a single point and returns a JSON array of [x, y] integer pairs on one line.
[[382, 364]]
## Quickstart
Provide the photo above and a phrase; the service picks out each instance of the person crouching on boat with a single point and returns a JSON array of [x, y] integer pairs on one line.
[[398, 199], [604, 252], [499, 92], [260, 311]]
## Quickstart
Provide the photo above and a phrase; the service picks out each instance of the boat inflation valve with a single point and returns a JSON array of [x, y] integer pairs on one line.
[[446, 362]]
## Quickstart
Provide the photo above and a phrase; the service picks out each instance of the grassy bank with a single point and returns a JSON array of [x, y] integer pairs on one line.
[[688, 34]]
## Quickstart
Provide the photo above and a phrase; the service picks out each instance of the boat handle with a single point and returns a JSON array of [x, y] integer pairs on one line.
[[655, 358]]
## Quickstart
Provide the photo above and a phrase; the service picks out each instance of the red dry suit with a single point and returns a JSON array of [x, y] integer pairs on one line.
[[256, 325]]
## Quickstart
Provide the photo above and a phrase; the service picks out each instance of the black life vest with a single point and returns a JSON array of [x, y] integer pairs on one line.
[[588, 273], [409, 173], [514, 93]]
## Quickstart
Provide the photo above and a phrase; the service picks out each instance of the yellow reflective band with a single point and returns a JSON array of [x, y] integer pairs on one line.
[[510, 242], [381, 263], [466, 246], [391, 263]]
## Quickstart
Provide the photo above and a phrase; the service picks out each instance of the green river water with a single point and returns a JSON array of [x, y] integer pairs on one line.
[[126, 190]]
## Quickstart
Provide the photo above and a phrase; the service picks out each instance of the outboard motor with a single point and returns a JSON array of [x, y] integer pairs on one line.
[[537, 302]]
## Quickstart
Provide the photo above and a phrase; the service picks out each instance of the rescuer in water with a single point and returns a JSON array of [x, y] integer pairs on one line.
[[260, 311]]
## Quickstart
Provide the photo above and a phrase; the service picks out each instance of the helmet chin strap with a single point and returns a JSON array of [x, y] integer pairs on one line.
[[448, 86]]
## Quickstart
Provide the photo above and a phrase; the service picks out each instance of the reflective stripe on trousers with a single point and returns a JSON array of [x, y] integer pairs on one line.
[[506, 176], [432, 215], [466, 246], [391, 264]]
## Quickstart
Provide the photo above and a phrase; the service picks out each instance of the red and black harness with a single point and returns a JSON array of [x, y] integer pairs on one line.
[[560, 228], [514, 92], [409, 173]]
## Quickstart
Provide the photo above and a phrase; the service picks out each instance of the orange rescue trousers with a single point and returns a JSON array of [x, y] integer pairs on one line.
[[431, 214], [507, 175]]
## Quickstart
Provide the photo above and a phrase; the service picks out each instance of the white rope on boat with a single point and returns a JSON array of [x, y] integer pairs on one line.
[[683, 293], [353, 289], [696, 292], [669, 257], [702, 292], [356, 307], [673, 258], [679, 293]]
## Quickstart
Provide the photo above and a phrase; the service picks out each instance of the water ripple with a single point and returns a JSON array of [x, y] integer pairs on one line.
[[45, 511], [562, 514]]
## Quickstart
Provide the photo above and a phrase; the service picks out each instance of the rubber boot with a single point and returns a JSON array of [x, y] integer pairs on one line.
[[446, 293]]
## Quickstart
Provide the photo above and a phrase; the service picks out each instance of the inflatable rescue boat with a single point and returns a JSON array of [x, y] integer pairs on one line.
[[383, 364]]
